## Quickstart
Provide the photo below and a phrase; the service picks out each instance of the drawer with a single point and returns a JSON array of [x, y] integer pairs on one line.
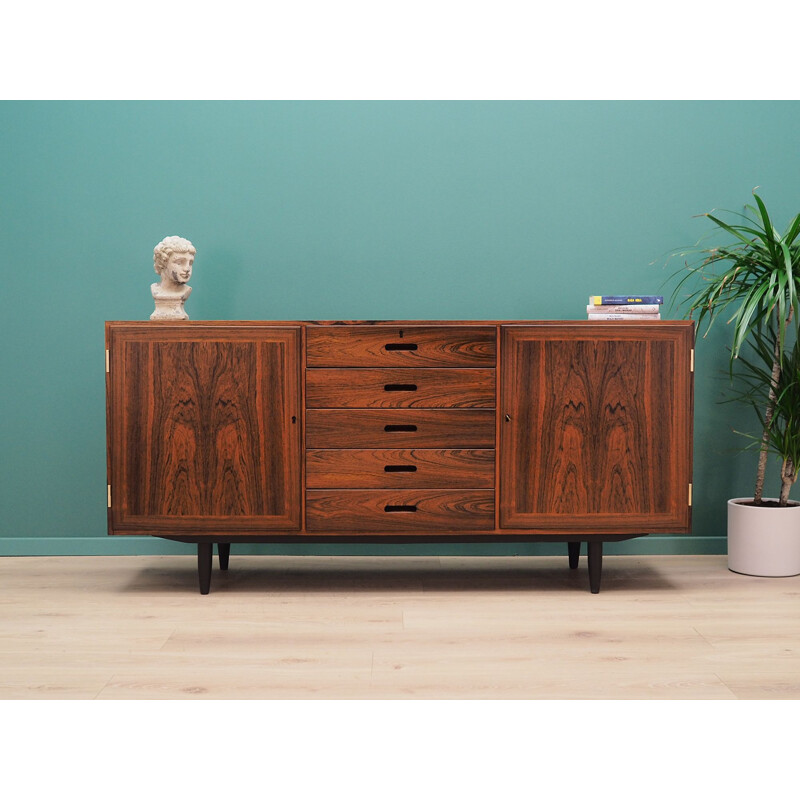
[[402, 510], [400, 388], [379, 469], [400, 346], [400, 428]]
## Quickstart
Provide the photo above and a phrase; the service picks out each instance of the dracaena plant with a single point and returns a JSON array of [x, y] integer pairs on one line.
[[756, 388], [752, 279]]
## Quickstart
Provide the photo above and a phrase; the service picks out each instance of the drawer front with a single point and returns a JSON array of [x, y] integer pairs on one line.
[[400, 346], [401, 511], [400, 388], [402, 428], [378, 469]]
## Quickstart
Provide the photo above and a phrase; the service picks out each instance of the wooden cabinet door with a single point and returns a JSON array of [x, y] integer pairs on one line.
[[596, 427], [203, 428]]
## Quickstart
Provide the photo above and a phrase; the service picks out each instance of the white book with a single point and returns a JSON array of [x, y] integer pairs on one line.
[[651, 317], [627, 309]]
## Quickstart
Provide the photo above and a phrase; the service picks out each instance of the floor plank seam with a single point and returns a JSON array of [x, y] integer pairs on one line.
[[166, 641], [725, 684], [710, 644], [103, 688]]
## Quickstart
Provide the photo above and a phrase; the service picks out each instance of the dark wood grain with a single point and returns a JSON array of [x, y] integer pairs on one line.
[[207, 431], [435, 428], [365, 510], [400, 388], [440, 346], [376, 469], [594, 430], [668, 464]]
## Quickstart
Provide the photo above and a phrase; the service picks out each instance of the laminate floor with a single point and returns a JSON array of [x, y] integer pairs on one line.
[[662, 627]]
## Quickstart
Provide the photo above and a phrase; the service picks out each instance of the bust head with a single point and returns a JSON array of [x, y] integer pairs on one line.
[[173, 258]]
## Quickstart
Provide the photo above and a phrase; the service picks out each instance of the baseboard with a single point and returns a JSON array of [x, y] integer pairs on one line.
[[654, 544]]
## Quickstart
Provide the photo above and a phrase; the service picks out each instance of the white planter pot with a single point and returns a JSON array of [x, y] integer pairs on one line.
[[763, 541]]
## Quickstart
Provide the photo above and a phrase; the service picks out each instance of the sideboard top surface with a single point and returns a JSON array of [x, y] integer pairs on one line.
[[426, 323]]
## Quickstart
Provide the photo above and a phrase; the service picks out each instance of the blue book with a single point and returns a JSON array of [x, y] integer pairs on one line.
[[624, 299]]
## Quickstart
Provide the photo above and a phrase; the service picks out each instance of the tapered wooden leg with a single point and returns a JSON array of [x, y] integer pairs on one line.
[[574, 550], [595, 565], [205, 551], [224, 550]]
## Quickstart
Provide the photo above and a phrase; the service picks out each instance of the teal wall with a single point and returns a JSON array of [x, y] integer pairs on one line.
[[346, 210]]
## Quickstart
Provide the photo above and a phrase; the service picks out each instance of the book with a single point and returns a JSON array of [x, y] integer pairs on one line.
[[625, 299], [646, 308], [651, 317]]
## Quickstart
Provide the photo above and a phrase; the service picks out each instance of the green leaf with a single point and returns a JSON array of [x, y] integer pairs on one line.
[[753, 280]]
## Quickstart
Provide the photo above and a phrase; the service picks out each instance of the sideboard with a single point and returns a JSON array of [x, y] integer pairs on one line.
[[387, 431]]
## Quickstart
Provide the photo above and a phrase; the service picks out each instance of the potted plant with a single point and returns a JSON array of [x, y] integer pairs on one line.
[[753, 279], [774, 551]]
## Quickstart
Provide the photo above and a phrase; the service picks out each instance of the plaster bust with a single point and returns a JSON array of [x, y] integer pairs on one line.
[[173, 258]]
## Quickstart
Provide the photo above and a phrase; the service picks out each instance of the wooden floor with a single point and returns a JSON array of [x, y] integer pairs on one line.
[[667, 627]]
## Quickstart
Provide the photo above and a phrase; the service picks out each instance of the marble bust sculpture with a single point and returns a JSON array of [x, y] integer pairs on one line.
[[173, 258]]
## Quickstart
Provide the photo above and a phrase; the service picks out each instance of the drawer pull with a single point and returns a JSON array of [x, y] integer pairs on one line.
[[392, 509], [399, 468], [400, 387], [399, 346], [397, 428]]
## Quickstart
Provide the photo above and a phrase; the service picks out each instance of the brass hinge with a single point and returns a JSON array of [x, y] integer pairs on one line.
[[690, 493], [109, 495], [108, 362], [691, 361]]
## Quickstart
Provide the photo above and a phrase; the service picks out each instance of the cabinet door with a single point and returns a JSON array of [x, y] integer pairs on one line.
[[203, 428], [596, 427]]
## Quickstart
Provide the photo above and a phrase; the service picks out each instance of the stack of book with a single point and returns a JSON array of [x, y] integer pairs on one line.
[[624, 306]]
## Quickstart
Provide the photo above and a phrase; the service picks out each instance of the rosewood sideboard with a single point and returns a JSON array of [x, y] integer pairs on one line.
[[225, 432]]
